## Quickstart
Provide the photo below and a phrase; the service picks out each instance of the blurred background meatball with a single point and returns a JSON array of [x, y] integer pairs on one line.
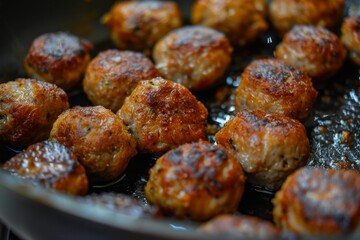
[[162, 115], [316, 201], [273, 86], [350, 37], [314, 49], [139, 25], [113, 75], [269, 146], [284, 14], [52, 165], [193, 56], [28, 109], [98, 138], [242, 21], [240, 226], [58, 58], [197, 181]]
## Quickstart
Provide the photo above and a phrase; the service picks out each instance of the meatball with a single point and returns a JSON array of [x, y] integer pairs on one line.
[[242, 21], [240, 226], [350, 37], [113, 75], [314, 49], [273, 86], [52, 165], [139, 25], [98, 138], [316, 201], [28, 109], [193, 56], [269, 146], [162, 115], [198, 180], [58, 58], [284, 14]]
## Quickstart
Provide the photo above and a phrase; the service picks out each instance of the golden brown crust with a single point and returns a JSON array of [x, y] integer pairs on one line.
[[194, 56], [319, 202], [198, 180], [316, 50], [284, 14], [51, 165], [58, 58], [112, 76], [139, 25], [350, 37], [28, 108], [98, 138], [273, 86], [162, 115], [269, 146], [242, 21]]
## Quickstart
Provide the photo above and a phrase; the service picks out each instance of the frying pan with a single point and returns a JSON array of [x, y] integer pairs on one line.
[[35, 213]]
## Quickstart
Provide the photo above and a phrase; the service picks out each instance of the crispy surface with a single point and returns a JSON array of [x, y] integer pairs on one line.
[[314, 49], [139, 25], [112, 75], [28, 108], [198, 181], [193, 56], [242, 21], [58, 58], [98, 138], [284, 14], [269, 146], [319, 202], [350, 37], [162, 115], [51, 165], [273, 86]]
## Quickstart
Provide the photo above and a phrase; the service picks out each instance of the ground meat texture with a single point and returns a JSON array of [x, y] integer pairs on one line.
[[316, 201], [273, 86], [98, 138], [284, 14], [58, 58], [52, 165], [162, 115], [28, 109], [194, 56], [350, 37], [242, 21], [197, 181], [316, 50], [241, 226], [139, 25], [113, 75], [269, 146]]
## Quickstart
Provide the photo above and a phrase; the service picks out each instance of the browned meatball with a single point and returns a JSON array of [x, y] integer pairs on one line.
[[242, 21], [28, 109], [350, 37], [139, 25], [314, 49], [113, 75], [162, 115], [194, 56], [240, 226], [316, 201], [51, 165], [273, 86], [98, 138], [269, 146], [58, 58], [198, 181], [284, 14]]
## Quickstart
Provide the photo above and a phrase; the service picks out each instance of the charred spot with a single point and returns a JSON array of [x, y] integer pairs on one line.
[[357, 22], [231, 141]]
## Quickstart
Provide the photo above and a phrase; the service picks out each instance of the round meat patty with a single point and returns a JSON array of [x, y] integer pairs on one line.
[[350, 37]]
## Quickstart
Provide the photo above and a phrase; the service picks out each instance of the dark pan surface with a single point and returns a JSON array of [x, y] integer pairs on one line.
[[37, 214]]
